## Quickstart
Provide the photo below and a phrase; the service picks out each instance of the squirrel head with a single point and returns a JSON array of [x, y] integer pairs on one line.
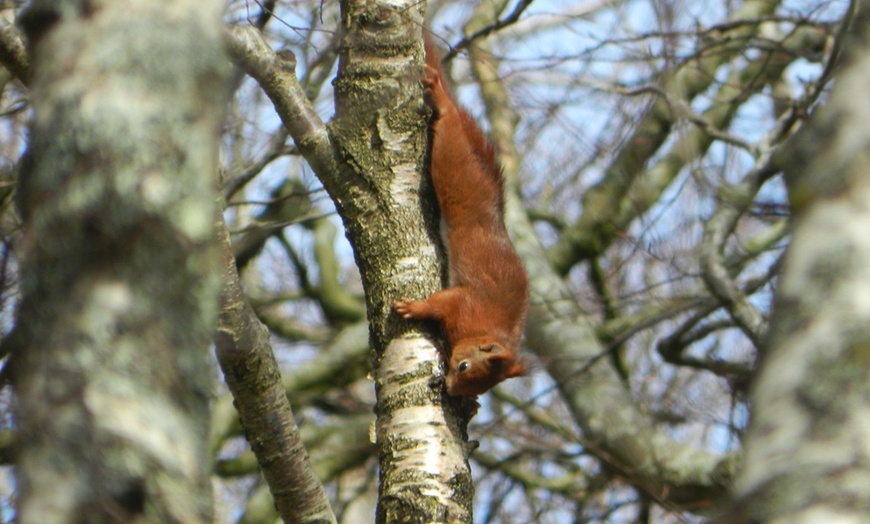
[[476, 366]]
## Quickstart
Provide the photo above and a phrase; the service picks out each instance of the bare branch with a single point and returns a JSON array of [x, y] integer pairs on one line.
[[252, 374], [511, 18], [275, 72]]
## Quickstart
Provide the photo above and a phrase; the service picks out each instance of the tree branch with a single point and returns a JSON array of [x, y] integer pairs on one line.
[[252, 375], [613, 428], [276, 74]]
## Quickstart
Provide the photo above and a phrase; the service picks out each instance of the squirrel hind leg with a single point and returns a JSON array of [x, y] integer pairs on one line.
[[436, 94]]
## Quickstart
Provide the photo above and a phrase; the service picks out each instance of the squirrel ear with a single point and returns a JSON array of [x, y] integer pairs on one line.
[[523, 366], [513, 365], [518, 369]]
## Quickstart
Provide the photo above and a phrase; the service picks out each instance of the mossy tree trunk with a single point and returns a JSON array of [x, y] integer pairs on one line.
[[387, 206], [807, 445], [371, 159], [120, 275]]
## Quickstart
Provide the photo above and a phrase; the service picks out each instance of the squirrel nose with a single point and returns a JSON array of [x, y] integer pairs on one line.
[[450, 381]]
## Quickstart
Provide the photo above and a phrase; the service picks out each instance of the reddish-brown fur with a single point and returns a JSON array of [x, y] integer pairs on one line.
[[483, 311]]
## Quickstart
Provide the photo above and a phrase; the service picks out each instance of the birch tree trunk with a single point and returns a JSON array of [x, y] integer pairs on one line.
[[371, 161], [120, 277], [387, 206]]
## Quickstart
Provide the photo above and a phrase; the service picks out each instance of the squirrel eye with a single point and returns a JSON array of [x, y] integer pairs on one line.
[[463, 366]]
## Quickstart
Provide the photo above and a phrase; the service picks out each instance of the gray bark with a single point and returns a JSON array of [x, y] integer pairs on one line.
[[120, 277], [252, 375], [807, 449]]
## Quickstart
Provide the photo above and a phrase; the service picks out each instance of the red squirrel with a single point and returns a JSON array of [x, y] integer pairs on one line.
[[483, 311]]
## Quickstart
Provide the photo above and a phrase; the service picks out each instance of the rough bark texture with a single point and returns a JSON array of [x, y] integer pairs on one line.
[[371, 161], [13, 52], [425, 475], [807, 453], [253, 377], [120, 279]]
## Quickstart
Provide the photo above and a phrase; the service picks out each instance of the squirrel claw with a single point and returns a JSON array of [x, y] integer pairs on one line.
[[402, 307]]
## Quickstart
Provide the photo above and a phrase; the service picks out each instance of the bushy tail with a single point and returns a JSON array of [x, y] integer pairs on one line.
[[483, 148], [433, 58]]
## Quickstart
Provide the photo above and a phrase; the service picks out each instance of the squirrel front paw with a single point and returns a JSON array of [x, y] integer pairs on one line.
[[403, 308]]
